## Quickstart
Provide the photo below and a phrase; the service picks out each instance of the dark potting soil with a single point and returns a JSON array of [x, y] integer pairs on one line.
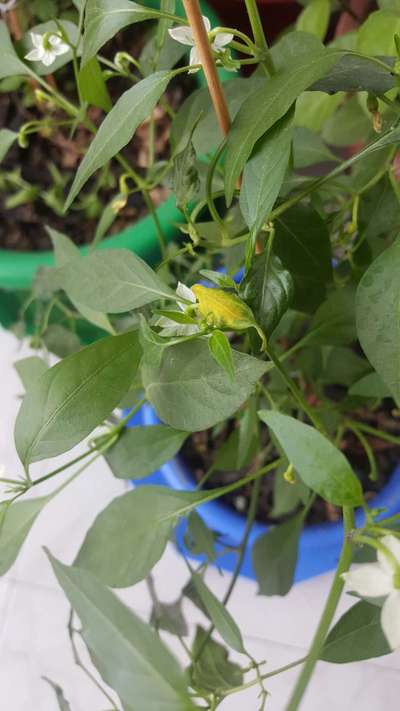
[[201, 448], [22, 226]]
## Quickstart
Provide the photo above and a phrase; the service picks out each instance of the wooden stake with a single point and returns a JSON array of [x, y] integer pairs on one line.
[[203, 46]]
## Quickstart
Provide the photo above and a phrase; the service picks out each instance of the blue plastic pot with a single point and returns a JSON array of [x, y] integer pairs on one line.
[[320, 544]]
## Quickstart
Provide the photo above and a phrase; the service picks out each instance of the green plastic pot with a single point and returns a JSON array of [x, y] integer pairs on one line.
[[17, 269]]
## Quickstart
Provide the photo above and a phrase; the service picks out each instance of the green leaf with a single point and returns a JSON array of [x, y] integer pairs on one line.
[[370, 385], [113, 281], [129, 536], [62, 702], [191, 392], [219, 615], [303, 246], [141, 669], [268, 289], [167, 57], [103, 20], [356, 636], [186, 180], [29, 370], [16, 521], [352, 73], [347, 125], [140, 451], [11, 64], [267, 105], [334, 322], [213, 669], [309, 149], [118, 127], [169, 617], [92, 87], [61, 341], [376, 34], [320, 465], [378, 317], [221, 351], [7, 138], [70, 399], [343, 367], [64, 251], [249, 434], [199, 538], [264, 172], [274, 556], [315, 18]]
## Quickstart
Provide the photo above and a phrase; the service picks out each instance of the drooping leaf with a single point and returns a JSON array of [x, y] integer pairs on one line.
[[191, 392], [356, 636], [221, 351], [219, 615], [64, 251], [30, 369], [264, 172], [274, 556], [268, 104], [61, 341], [117, 129], [139, 451], [303, 246], [11, 65], [378, 317], [309, 149], [186, 180], [141, 669], [103, 19], [16, 520], [129, 536], [7, 138], [113, 281], [92, 86], [268, 289], [249, 433], [70, 399], [213, 669], [318, 462], [169, 617], [199, 538]]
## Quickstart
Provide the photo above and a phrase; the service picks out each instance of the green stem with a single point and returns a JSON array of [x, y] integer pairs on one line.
[[254, 682], [373, 431], [259, 36], [327, 615], [209, 180], [296, 392]]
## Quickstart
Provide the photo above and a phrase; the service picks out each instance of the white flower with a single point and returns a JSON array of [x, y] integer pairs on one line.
[[184, 35], [172, 328], [46, 48], [381, 579]]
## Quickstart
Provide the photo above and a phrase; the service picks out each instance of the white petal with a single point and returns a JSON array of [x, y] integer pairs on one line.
[[194, 59], [35, 55], [60, 49], [221, 40], [390, 619], [54, 40], [185, 293], [184, 35], [48, 57], [207, 23], [37, 40], [369, 580], [393, 544]]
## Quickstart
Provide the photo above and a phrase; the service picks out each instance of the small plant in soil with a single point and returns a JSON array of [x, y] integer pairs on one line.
[[266, 339]]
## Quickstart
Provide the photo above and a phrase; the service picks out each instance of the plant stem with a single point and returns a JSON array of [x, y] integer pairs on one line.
[[296, 392], [193, 14], [275, 672], [327, 615], [259, 35], [373, 431]]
